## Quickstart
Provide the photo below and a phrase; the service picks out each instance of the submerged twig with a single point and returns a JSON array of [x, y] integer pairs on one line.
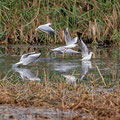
[[101, 75]]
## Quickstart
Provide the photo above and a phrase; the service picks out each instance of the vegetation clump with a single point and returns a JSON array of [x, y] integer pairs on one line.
[[96, 20], [95, 103]]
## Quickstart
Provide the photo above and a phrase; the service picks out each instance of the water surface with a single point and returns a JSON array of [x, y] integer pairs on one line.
[[69, 69]]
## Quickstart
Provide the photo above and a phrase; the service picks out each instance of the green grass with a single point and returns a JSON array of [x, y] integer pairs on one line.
[[96, 20]]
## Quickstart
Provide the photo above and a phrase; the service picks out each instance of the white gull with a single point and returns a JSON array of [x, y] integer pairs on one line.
[[28, 58], [70, 43], [84, 49], [46, 28]]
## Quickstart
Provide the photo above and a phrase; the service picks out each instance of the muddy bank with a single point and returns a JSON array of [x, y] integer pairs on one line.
[[13, 112]]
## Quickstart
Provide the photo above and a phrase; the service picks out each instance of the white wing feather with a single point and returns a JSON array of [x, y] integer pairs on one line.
[[67, 37], [84, 48]]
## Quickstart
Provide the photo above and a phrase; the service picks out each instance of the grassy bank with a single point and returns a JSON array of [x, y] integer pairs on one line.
[[96, 20], [94, 103]]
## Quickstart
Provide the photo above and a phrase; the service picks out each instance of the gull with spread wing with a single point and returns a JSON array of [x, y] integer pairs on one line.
[[84, 49], [28, 58], [46, 28], [70, 43]]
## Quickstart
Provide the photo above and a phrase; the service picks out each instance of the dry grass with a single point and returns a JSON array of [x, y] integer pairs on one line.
[[95, 103], [96, 20]]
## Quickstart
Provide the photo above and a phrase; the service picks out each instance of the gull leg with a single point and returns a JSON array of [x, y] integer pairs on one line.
[[63, 55], [55, 54]]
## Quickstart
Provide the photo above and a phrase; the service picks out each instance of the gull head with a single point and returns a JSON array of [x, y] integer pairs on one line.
[[49, 24], [36, 29], [66, 29], [93, 54]]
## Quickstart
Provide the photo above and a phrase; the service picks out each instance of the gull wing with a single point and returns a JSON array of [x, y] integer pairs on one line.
[[67, 37], [74, 40], [59, 49], [30, 58], [34, 56], [26, 55], [47, 29], [71, 51], [84, 48]]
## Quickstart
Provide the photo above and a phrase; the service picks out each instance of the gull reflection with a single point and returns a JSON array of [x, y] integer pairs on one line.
[[70, 78], [26, 74], [85, 66], [63, 66]]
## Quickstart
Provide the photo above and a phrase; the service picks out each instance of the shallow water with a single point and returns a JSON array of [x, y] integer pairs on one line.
[[68, 69]]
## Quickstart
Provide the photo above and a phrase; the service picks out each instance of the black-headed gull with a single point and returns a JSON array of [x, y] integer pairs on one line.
[[84, 49], [28, 58], [46, 28], [70, 43]]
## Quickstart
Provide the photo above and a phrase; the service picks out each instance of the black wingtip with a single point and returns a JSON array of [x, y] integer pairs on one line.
[[51, 33], [66, 31], [79, 34]]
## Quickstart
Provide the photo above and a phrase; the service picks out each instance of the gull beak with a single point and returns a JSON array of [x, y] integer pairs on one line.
[[93, 55], [36, 29]]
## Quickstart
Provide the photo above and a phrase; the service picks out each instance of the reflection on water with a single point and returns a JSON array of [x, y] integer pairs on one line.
[[70, 67], [63, 66], [85, 66], [1, 60], [26, 74], [70, 78]]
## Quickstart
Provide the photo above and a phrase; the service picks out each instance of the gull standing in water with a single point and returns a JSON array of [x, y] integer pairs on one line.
[[28, 58], [70, 43], [46, 28], [84, 49]]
